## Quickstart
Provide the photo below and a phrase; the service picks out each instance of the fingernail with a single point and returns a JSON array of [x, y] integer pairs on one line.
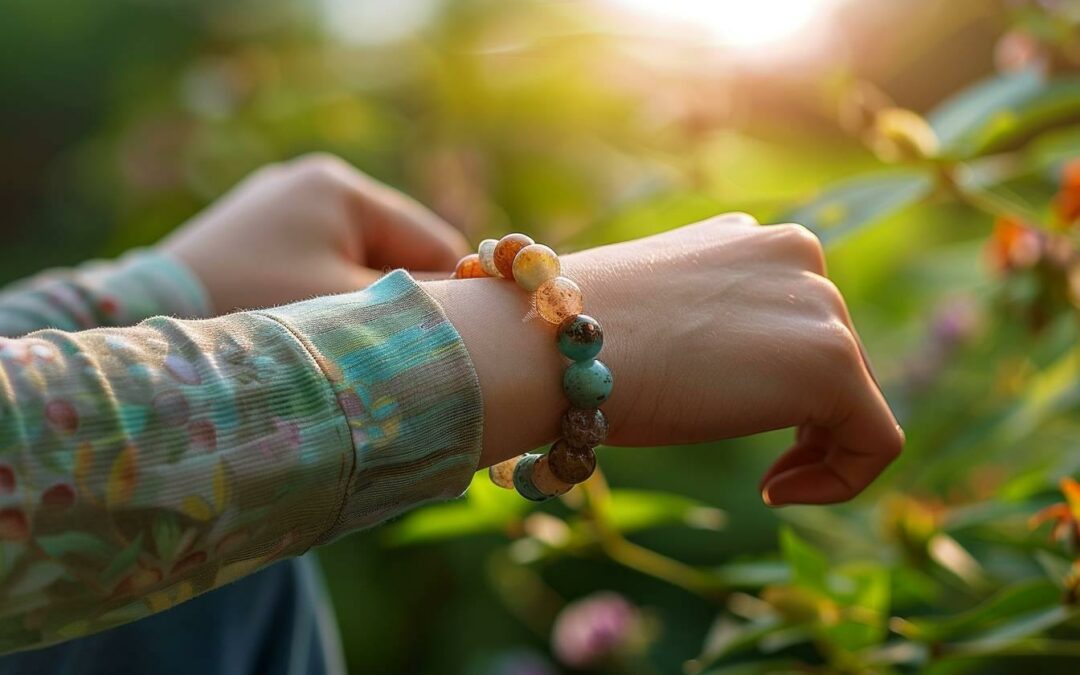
[[766, 498]]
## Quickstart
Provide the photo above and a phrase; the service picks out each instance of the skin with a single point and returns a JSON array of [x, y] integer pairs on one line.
[[716, 330], [311, 226]]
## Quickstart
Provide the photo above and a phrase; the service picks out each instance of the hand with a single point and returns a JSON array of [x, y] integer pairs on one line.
[[308, 227], [715, 330]]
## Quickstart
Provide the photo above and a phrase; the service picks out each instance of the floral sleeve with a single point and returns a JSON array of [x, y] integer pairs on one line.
[[142, 466]]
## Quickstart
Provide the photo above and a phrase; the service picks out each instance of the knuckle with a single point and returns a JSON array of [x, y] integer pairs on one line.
[[827, 294], [803, 243], [318, 168], [837, 344]]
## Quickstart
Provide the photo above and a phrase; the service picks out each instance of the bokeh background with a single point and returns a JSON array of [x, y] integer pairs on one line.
[[928, 143]]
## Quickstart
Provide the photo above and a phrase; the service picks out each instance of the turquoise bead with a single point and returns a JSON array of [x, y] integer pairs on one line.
[[587, 383], [580, 337], [523, 480]]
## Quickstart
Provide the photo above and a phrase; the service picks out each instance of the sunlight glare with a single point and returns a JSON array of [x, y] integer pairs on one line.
[[735, 23]]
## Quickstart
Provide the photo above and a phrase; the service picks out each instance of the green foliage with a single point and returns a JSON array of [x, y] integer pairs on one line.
[[950, 234]]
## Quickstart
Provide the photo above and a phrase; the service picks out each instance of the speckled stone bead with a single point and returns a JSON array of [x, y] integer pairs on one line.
[[558, 298], [486, 251], [580, 337], [534, 265], [546, 481], [523, 479], [502, 474], [584, 428], [587, 383], [469, 268], [570, 463], [507, 249]]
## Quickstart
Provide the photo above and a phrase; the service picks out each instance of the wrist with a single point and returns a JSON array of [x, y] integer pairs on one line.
[[519, 371]]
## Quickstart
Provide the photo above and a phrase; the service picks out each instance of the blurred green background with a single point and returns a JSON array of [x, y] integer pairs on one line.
[[590, 122]]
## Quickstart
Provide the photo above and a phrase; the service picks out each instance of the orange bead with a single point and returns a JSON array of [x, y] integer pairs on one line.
[[502, 474], [534, 265], [469, 268], [506, 250], [557, 299]]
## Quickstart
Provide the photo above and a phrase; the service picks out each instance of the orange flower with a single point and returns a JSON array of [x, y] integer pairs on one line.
[[1065, 515], [1012, 245]]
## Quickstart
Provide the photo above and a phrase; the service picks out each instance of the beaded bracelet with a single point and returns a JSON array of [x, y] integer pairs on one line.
[[587, 381]]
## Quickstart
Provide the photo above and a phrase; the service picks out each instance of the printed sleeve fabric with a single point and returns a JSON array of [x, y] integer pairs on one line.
[[140, 285], [142, 466]]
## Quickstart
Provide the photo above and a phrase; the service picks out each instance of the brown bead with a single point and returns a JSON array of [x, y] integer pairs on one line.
[[546, 481], [571, 463], [557, 299], [502, 474], [585, 428], [469, 268], [506, 250]]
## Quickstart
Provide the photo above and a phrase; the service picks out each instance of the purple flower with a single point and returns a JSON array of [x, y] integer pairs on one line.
[[590, 630]]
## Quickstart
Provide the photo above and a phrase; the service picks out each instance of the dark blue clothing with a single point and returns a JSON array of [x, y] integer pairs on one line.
[[275, 622]]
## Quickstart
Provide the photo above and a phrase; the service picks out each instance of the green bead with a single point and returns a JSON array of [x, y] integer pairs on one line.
[[580, 337], [587, 383], [523, 479]]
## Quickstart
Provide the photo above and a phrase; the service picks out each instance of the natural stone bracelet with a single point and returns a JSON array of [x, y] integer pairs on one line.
[[586, 381]]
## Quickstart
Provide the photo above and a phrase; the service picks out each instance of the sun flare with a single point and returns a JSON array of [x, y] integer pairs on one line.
[[734, 23]]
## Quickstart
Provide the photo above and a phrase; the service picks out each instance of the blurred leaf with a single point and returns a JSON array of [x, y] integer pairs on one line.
[[1016, 603], [864, 592], [809, 566], [853, 204], [728, 636], [752, 575], [1001, 110], [972, 109], [446, 521], [485, 509], [1011, 634], [770, 667], [632, 510]]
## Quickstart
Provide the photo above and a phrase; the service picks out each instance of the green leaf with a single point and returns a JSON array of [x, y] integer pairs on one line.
[[1013, 633], [74, 542], [122, 562], [448, 521], [1016, 603], [166, 532], [974, 107], [863, 589], [752, 575], [853, 204], [809, 567], [1003, 110], [485, 509], [633, 510]]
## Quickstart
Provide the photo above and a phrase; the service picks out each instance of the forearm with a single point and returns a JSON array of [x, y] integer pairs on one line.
[[145, 465]]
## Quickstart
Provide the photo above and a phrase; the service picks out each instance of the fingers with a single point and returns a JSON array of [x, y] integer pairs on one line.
[[395, 230], [399, 232], [834, 461]]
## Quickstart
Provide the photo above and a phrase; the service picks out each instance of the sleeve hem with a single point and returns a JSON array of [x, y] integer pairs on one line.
[[407, 388]]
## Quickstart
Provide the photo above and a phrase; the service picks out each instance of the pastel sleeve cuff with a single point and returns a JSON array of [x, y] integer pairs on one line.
[[141, 284], [408, 391]]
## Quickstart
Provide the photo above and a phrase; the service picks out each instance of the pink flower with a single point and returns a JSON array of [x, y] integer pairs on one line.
[[594, 628]]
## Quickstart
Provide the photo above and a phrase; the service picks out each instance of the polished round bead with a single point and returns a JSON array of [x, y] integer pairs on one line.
[[558, 298], [486, 251], [502, 474], [546, 481], [523, 478], [584, 427], [571, 463], [469, 268], [534, 265], [587, 383], [580, 337], [506, 250]]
